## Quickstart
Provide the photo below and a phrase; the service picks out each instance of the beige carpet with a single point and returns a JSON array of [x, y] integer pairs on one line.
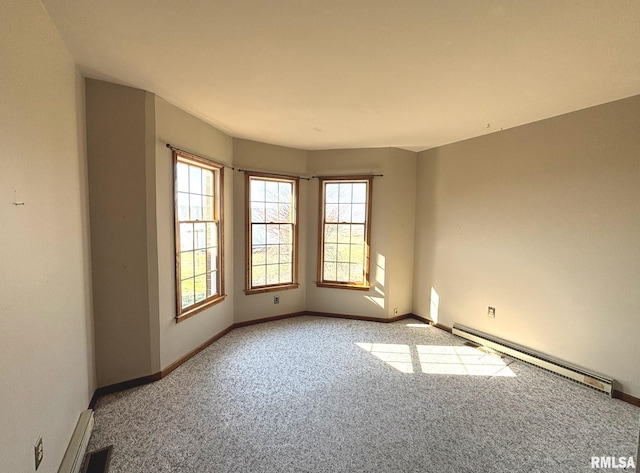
[[314, 394]]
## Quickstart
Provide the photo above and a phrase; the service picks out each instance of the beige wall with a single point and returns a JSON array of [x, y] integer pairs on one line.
[[184, 131], [46, 367], [400, 228], [132, 227], [542, 222], [254, 156], [392, 217], [121, 229]]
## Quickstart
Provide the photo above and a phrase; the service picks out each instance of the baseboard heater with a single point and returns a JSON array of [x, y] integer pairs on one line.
[[72, 460], [574, 373]]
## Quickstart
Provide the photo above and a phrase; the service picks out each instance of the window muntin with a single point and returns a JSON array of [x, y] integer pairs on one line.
[[271, 233], [344, 232], [198, 191]]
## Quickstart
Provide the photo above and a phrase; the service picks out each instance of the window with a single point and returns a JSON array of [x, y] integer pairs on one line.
[[198, 214], [272, 233], [343, 256]]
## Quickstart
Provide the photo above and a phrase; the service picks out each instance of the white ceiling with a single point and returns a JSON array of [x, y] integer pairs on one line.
[[320, 74]]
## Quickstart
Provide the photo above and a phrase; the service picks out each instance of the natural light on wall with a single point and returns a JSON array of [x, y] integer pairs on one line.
[[378, 297], [380, 269], [435, 304], [436, 359]]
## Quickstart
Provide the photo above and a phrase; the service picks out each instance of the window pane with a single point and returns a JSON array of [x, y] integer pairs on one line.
[[331, 193], [195, 207], [212, 259], [342, 272], [258, 276], [285, 253], [201, 287], [359, 193], [182, 171], [207, 182], [212, 234], [284, 189], [344, 253], [258, 234], [259, 255], [200, 237], [357, 254], [357, 234], [187, 291], [286, 234], [186, 236], [273, 254], [344, 233], [285, 273], [272, 191], [330, 252], [183, 206], [344, 213], [331, 233], [272, 212], [356, 273], [195, 180], [273, 273], [212, 286], [258, 214], [207, 208], [358, 213], [257, 190], [345, 193], [200, 262], [273, 234], [284, 213], [331, 213], [186, 265], [329, 271]]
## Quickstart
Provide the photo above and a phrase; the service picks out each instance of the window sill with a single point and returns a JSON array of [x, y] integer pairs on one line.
[[199, 308], [353, 287], [280, 287]]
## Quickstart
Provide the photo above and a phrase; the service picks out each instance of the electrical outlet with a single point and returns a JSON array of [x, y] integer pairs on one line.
[[276, 299], [491, 312], [38, 452]]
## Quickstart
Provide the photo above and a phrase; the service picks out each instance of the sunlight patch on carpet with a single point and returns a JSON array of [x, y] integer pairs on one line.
[[437, 359], [395, 355]]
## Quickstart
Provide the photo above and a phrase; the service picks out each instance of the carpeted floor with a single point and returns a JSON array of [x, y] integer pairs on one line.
[[314, 394]]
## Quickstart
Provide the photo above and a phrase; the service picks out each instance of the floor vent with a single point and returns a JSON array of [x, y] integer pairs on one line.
[[596, 381], [98, 461], [72, 460]]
